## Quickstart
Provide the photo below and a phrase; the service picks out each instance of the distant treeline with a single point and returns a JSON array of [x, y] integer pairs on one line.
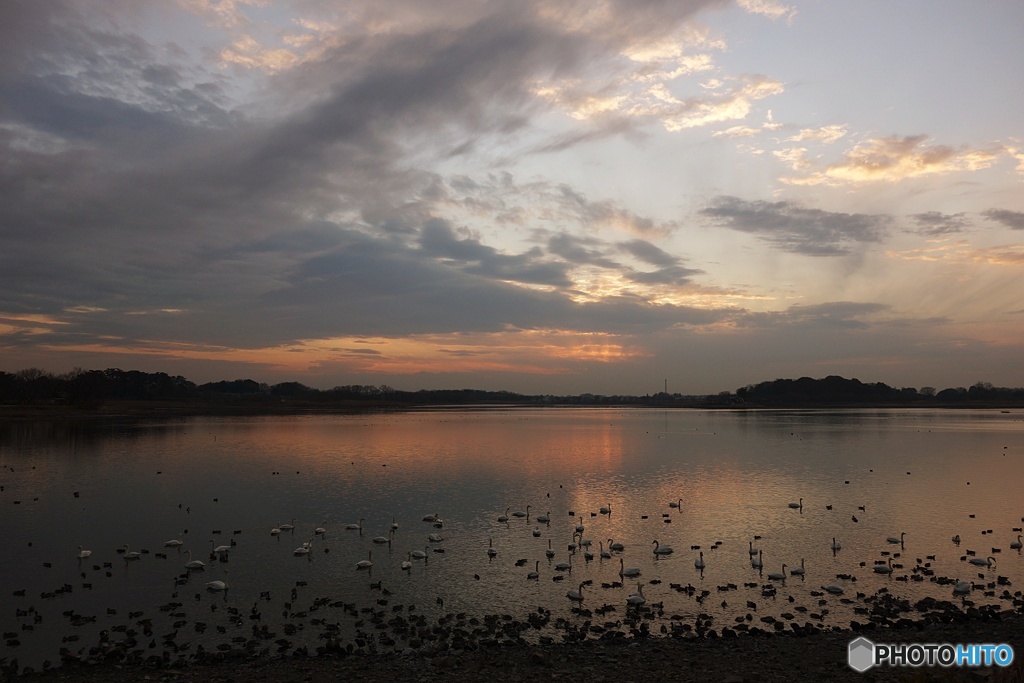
[[835, 390], [95, 388], [92, 388]]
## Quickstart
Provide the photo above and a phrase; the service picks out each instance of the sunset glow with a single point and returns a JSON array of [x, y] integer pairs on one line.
[[540, 196]]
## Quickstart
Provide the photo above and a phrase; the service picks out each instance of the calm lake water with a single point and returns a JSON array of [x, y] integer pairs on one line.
[[930, 474]]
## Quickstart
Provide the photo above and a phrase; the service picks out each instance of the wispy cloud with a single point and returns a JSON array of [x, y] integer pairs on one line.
[[937, 223], [1011, 219], [794, 228]]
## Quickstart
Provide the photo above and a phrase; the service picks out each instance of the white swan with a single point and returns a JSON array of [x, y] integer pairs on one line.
[[419, 554], [407, 563], [606, 509], [275, 531], [757, 561], [778, 576], [833, 588], [536, 532], [82, 553], [564, 566], [435, 538], [218, 586], [491, 552], [287, 527], [174, 543], [604, 553], [504, 517], [627, 571], [798, 571], [354, 527], [394, 524], [579, 527], [956, 539], [1016, 545], [615, 546], [676, 503], [191, 564], [367, 563], [576, 595], [637, 598], [323, 530], [520, 513], [430, 518], [130, 554], [836, 545], [535, 574], [549, 552], [545, 518], [220, 549], [962, 587], [379, 540], [983, 561], [893, 539], [303, 549], [797, 505], [699, 562], [883, 568], [753, 550], [662, 549]]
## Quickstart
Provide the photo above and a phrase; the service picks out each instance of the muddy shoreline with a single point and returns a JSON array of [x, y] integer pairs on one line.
[[756, 655]]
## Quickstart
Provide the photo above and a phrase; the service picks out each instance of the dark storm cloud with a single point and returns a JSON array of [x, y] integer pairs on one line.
[[1011, 219], [793, 228]]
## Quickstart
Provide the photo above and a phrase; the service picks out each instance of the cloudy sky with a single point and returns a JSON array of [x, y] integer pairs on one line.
[[546, 196]]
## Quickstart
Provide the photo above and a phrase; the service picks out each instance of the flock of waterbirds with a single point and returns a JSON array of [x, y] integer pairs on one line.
[[605, 597]]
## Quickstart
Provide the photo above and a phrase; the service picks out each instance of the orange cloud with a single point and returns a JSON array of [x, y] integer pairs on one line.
[[892, 159], [539, 352]]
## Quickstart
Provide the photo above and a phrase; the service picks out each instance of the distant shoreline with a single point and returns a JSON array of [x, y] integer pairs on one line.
[[132, 410]]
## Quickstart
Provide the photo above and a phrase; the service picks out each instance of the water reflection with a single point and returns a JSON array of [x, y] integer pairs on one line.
[[709, 484]]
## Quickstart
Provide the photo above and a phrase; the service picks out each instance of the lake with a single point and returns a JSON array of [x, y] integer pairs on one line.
[[711, 482]]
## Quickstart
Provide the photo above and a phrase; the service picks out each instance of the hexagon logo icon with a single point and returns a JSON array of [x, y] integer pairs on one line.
[[861, 654]]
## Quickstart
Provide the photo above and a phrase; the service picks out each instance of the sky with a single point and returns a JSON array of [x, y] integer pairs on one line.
[[542, 196]]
